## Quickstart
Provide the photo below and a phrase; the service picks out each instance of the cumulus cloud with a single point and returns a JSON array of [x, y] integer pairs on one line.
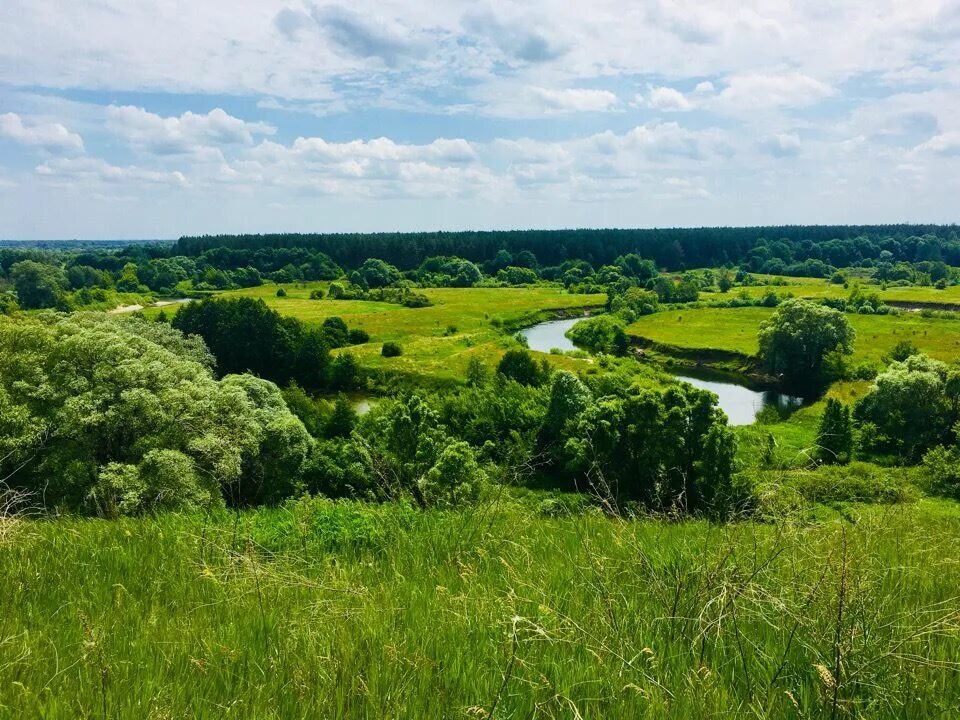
[[53, 137], [573, 99], [184, 134], [96, 170], [667, 99], [765, 90]]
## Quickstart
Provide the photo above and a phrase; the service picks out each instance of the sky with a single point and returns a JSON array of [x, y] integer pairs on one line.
[[160, 118]]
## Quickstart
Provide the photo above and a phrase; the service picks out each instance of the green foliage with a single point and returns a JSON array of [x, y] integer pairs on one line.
[[856, 482], [519, 365], [910, 407], [123, 415], [604, 333], [342, 420], [902, 350], [281, 293], [665, 449], [940, 472], [391, 349], [835, 435], [376, 273], [245, 335], [38, 285], [795, 340], [632, 303]]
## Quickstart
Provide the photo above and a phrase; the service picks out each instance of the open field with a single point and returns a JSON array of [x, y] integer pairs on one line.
[[341, 609], [735, 330], [439, 340], [823, 288]]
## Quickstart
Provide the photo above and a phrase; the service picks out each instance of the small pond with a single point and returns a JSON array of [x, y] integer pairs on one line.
[[740, 402], [545, 336]]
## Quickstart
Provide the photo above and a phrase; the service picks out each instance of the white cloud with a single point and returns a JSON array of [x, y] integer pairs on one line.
[[668, 99], [184, 134], [945, 144], [761, 90], [54, 137], [91, 171], [574, 99]]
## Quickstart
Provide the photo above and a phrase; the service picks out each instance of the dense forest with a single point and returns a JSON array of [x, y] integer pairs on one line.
[[674, 248]]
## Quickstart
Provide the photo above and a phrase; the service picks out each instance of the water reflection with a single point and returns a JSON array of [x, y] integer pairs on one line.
[[741, 403]]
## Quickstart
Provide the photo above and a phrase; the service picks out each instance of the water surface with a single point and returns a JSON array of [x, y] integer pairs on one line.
[[740, 402], [545, 336]]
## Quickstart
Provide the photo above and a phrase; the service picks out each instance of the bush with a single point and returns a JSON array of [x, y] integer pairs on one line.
[[856, 482], [519, 365], [316, 294], [391, 349], [941, 472], [281, 292], [357, 336]]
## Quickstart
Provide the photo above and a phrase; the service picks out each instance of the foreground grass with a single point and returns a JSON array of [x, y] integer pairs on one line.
[[346, 610], [735, 330]]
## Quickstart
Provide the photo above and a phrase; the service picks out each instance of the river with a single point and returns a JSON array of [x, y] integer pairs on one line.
[[740, 402]]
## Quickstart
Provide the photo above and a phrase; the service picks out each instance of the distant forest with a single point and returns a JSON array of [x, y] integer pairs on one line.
[[673, 248]]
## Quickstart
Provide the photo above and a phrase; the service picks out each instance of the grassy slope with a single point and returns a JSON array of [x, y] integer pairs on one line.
[[428, 349], [821, 288], [380, 612], [735, 329]]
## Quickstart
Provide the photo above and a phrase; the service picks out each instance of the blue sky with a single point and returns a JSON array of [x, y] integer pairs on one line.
[[156, 118]]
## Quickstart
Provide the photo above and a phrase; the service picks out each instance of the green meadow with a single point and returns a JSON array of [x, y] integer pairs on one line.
[[438, 341], [735, 330], [333, 609]]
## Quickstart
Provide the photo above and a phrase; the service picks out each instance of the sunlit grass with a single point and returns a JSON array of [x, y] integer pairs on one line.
[[735, 330], [346, 610]]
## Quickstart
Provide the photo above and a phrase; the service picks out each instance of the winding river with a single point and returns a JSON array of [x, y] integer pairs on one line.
[[740, 402]]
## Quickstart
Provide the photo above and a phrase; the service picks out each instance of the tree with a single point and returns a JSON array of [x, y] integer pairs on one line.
[[911, 407], [519, 365], [38, 285], [122, 415], [795, 340], [835, 436], [343, 418], [377, 273]]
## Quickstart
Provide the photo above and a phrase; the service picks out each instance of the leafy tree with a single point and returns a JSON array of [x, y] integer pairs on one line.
[[377, 273], [664, 449], [902, 350], [38, 285], [911, 407], [604, 333], [568, 398], [835, 435], [342, 420], [795, 340], [335, 331], [519, 365], [122, 415], [345, 372]]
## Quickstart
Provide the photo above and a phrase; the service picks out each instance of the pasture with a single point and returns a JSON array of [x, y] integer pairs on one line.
[[735, 330]]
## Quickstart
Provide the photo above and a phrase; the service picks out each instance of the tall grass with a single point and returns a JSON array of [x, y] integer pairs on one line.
[[325, 609]]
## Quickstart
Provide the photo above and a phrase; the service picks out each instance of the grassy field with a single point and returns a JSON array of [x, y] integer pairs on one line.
[[735, 330], [439, 340], [345, 610], [823, 288]]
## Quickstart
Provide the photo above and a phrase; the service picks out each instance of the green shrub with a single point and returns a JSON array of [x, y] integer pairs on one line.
[[856, 482], [940, 472], [281, 292], [391, 349]]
